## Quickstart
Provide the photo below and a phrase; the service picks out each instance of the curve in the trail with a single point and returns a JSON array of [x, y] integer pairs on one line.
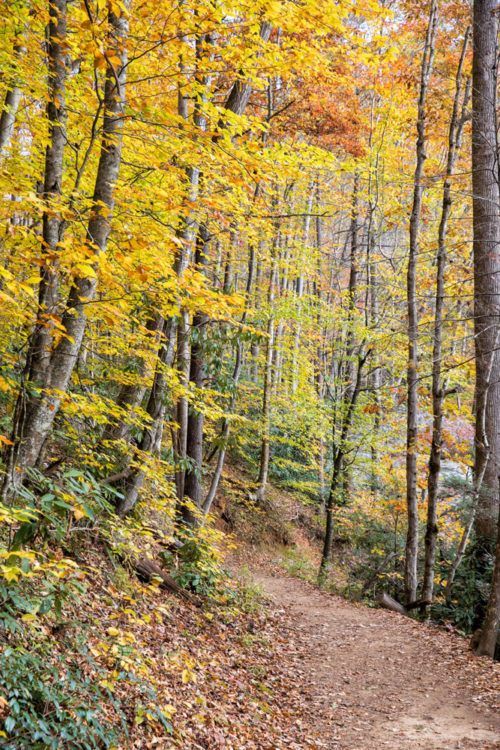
[[381, 680]]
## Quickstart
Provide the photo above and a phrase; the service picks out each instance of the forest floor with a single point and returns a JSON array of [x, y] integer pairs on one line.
[[300, 669], [373, 679]]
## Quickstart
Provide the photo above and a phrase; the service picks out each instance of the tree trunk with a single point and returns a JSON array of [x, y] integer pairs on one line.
[[491, 626], [350, 371], [265, 447], [486, 224], [33, 426], [13, 94], [53, 226], [376, 375], [438, 386], [182, 406], [299, 291], [339, 454], [411, 557], [194, 436]]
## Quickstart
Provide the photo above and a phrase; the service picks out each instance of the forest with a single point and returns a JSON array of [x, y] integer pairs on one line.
[[249, 371]]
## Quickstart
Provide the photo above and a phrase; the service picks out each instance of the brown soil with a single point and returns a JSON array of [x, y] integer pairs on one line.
[[374, 679]]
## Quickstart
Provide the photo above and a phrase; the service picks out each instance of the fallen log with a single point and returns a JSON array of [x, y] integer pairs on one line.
[[419, 604], [386, 601], [147, 569]]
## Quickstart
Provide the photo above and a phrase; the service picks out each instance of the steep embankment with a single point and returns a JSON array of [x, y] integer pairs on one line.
[[374, 679]]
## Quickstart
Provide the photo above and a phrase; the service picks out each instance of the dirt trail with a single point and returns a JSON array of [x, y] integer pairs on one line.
[[380, 680]]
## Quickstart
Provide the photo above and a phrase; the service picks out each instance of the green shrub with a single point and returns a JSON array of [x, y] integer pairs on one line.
[[49, 703], [199, 562], [470, 590]]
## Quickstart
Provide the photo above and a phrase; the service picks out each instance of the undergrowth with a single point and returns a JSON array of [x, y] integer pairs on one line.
[[68, 680]]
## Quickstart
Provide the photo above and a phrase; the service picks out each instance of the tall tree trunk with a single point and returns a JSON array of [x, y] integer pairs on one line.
[[194, 434], [187, 232], [13, 93], [376, 375], [265, 447], [53, 226], [350, 367], [372, 299], [438, 385], [486, 224], [299, 290], [319, 374], [34, 421], [340, 447], [491, 626], [411, 556], [38, 356]]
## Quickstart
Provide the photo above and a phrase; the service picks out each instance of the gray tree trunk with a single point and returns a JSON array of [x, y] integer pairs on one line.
[[34, 425], [265, 446], [53, 224], [486, 223], [491, 626], [12, 100], [457, 122], [411, 556]]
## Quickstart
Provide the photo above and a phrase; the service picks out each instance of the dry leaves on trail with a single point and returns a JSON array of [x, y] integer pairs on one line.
[[378, 679], [304, 671], [224, 678]]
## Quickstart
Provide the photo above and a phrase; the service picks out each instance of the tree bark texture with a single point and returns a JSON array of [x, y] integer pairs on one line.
[[486, 224], [34, 419], [411, 556], [438, 385]]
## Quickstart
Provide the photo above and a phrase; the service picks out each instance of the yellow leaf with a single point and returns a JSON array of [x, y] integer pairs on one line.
[[107, 684], [168, 711], [99, 60], [11, 573], [84, 270]]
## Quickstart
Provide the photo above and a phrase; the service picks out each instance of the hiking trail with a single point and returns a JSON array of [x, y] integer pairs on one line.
[[375, 679]]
